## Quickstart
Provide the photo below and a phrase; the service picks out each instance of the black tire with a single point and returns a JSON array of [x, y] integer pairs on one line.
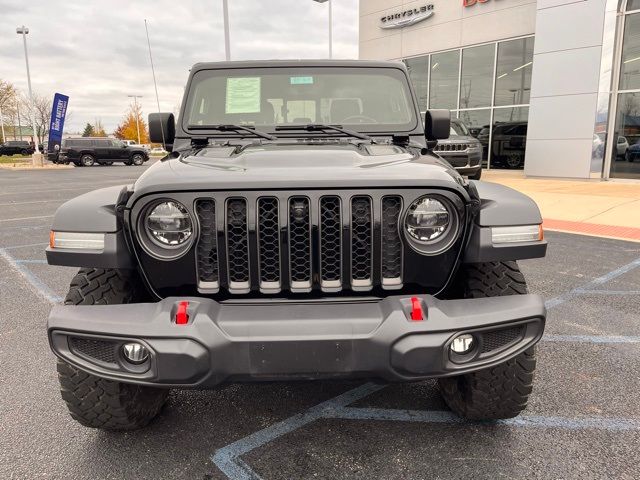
[[501, 391], [628, 157], [87, 160], [24, 153], [137, 159], [93, 401], [477, 175]]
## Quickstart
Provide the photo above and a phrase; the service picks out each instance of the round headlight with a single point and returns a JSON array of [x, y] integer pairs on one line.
[[427, 220], [169, 224], [431, 224]]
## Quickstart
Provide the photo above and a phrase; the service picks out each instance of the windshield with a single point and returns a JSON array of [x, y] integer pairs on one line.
[[459, 128], [363, 99]]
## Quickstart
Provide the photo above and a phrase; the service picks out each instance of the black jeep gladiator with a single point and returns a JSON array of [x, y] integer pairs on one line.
[[300, 228]]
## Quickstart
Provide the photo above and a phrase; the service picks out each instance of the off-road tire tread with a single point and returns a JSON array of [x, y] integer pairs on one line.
[[501, 391], [93, 401]]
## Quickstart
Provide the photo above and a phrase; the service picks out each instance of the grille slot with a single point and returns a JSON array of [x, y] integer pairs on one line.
[[100, 350], [207, 249], [300, 244], [330, 243], [391, 243], [269, 244], [499, 338], [238, 245], [361, 243]]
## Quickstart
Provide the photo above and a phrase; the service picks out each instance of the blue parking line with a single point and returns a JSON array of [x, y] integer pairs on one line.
[[540, 421], [38, 261], [560, 299], [13, 247], [227, 458], [610, 292], [606, 339], [38, 286]]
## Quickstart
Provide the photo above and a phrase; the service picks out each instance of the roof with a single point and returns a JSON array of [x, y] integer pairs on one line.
[[298, 63]]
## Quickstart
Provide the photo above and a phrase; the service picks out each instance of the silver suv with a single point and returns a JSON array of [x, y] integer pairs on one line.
[[461, 150]]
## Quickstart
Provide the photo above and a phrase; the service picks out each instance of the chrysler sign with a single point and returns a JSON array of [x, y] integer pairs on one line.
[[407, 17]]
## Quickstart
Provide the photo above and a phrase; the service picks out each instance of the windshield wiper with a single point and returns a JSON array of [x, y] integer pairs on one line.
[[321, 127], [234, 128]]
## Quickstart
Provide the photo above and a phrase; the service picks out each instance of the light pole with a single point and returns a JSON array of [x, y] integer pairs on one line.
[[135, 101], [225, 14], [23, 31], [330, 26]]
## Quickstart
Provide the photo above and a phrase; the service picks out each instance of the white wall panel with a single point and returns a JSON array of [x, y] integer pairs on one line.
[[562, 117], [566, 72], [575, 25], [558, 158]]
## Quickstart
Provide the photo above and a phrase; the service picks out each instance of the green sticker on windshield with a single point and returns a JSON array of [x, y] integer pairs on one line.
[[243, 95], [301, 80]]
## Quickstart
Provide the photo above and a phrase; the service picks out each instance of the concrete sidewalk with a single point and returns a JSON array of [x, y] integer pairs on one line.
[[607, 209]]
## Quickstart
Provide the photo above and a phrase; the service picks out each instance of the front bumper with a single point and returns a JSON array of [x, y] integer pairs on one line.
[[280, 340]]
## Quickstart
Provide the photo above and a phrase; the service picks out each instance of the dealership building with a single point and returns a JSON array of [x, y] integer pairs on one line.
[[551, 86]]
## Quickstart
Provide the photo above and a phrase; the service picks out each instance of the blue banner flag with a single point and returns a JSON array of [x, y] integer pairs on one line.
[[58, 113]]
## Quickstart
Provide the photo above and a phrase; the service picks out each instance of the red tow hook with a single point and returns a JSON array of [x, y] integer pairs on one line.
[[416, 310], [181, 314]]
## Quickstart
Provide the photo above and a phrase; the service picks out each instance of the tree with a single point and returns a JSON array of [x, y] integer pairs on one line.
[[41, 108], [128, 128], [7, 105], [98, 129], [88, 130]]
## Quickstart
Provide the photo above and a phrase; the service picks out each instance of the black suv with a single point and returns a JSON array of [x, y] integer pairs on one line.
[[301, 228], [509, 142], [86, 151], [16, 147], [462, 150]]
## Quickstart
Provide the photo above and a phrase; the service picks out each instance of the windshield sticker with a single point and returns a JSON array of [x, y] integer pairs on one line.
[[243, 95], [301, 80]]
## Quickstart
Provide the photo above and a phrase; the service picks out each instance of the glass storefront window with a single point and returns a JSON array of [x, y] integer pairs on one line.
[[419, 73], [630, 74], [509, 137], [625, 162], [513, 73], [633, 5], [477, 76], [444, 80]]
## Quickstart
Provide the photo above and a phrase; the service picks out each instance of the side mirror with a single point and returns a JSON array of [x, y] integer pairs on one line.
[[162, 129], [437, 125]]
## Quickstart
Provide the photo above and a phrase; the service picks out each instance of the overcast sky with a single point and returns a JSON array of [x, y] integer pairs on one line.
[[96, 51]]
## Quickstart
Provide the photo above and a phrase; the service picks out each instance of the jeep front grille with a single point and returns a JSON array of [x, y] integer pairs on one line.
[[276, 243]]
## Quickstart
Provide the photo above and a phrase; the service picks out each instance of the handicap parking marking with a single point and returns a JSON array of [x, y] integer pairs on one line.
[[228, 460]]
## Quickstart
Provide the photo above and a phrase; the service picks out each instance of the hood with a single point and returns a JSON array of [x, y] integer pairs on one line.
[[459, 139], [288, 166]]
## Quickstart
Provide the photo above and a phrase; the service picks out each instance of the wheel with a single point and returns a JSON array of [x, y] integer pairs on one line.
[[24, 152], [628, 157], [87, 160], [106, 163], [137, 159], [514, 160], [477, 175], [501, 391], [93, 401]]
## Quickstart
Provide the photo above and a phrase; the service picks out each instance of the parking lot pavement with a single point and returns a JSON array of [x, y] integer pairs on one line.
[[583, 420]]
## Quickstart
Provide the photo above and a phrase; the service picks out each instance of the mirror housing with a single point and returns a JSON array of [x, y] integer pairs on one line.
[[162, 125], [437, 125]]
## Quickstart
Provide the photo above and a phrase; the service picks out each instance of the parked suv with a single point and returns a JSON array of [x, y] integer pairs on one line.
[[16, 147], [301, 228], [461, 150], [87, 151], [508, 143]]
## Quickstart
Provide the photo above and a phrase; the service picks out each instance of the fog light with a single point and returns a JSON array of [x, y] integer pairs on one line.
[[462, 344], [135, 353]]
